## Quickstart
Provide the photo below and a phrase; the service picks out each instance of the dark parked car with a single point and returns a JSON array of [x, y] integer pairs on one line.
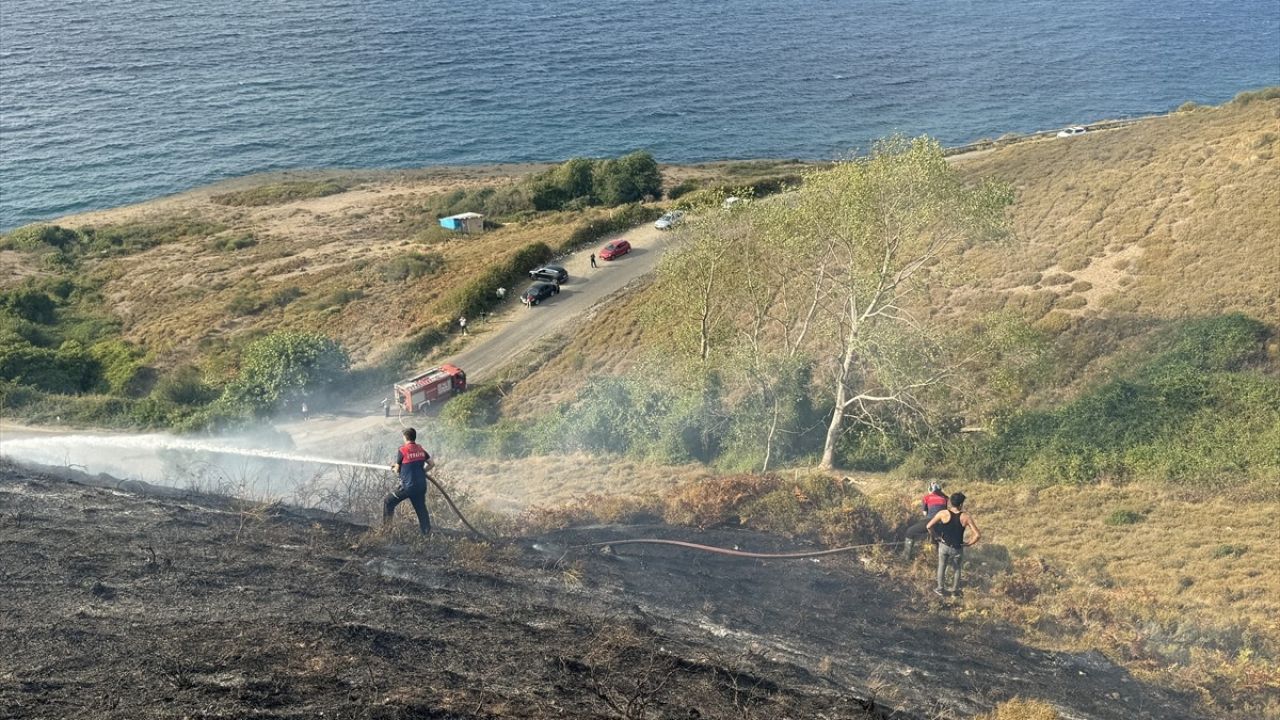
[[538, 292], [551, 273], [615, 249]]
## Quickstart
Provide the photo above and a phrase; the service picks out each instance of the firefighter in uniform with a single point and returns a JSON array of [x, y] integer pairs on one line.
[[412, 463]]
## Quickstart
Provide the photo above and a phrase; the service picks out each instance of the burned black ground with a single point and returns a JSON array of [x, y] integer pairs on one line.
[[136, 604]]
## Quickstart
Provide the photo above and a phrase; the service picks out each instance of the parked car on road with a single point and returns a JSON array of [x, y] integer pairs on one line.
[[669, 220], [538, 292], [1072, 131], [550, 273], [615, 249]]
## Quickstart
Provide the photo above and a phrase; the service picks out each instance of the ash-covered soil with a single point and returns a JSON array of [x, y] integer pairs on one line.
[[142, 603]]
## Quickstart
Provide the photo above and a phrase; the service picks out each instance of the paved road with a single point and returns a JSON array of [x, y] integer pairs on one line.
[[496, 341]]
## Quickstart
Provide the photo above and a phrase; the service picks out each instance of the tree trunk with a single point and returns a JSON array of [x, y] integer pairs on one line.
[[842, 391]]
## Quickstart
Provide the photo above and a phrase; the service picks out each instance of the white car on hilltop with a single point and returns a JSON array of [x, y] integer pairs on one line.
[[1072, 131]]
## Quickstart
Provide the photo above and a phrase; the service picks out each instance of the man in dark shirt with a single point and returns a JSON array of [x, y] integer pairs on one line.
[[412, 463], [950, 526]]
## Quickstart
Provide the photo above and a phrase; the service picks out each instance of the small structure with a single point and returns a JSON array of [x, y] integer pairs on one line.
[[468, 222]]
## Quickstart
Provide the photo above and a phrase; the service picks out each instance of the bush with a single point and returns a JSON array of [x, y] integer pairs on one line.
[[1194, 412], [28, 303], [282, 368], [132, 237], [581, 182], [620, 221], [630, 178], [121, 367], [69, 369], [34, 237], [410, 266], [184, 386], [1124, 517], [233, 242], [1228, 550], [479, 295]]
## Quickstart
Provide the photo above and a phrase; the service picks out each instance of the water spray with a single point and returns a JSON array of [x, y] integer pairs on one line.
[[155, 442]]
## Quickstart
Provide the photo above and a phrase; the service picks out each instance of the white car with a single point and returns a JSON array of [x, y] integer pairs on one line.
[[669, 220], [1072, 131]]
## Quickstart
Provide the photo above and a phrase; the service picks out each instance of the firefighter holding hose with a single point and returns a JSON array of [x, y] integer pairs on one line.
[[412, 463]]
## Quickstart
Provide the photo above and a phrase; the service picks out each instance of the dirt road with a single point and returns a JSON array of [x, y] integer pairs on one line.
[[498, 339]]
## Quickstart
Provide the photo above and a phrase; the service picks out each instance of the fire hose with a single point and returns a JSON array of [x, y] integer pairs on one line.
[[739, 553]]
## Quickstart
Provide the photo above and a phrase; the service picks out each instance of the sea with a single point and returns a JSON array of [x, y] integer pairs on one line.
[[107, 102]]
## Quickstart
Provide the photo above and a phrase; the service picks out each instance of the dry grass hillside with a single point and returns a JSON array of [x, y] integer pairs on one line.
[[1172, 216], [358, 255], [1114, 231]]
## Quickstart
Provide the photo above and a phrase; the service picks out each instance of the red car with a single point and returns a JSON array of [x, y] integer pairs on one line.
[[617, 248]]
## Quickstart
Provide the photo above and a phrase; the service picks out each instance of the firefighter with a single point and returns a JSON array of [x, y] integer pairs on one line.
[[931, 504], [412, 463]]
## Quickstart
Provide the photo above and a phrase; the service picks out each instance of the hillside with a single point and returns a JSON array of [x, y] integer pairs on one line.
[[128, 603], [1114, 231]]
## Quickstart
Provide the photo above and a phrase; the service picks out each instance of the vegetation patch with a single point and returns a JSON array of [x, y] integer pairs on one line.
[[282, 192]]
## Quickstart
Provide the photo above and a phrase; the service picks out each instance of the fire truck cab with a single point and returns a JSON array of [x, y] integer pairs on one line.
[[437, 384]]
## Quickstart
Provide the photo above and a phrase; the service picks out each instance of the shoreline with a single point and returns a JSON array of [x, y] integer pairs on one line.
[[489, 171]]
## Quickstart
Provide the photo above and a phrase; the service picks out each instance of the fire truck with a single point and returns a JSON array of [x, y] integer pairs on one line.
[[435, 385]]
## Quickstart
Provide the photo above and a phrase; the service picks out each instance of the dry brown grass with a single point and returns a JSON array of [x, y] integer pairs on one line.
[[1177, 586], [1020, 709], [1171, 216]]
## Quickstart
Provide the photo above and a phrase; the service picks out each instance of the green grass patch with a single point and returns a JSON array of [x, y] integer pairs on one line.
[[1122, 516]]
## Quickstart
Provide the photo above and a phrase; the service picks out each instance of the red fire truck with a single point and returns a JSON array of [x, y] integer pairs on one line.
[[435, 385]]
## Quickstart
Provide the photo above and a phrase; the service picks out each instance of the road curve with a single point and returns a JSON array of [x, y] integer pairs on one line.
[[497, 340]]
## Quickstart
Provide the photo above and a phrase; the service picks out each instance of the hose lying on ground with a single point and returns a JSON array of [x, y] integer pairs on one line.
[[738, 553]]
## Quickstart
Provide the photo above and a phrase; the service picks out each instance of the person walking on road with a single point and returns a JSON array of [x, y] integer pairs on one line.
[[593, 259], [950, 526], [412, 463], [305, 411], [462, 323], [386, 407]]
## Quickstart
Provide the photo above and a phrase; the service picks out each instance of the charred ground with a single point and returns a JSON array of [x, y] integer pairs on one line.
[[128, 602]]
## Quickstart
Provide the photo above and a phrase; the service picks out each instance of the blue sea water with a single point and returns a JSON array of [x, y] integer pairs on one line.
[[113, 101]]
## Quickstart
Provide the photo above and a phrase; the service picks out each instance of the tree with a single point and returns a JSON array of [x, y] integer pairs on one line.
[[836, 276], [630, 178], [282, 368]]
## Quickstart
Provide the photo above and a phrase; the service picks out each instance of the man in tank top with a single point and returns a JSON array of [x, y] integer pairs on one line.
[[950, 527]]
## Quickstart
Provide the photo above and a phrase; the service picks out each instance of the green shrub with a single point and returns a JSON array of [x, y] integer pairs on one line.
[[1196, 411], [1228, 550], [245, 302], [281, 368], [410, 266], [131, 237], [184, 386], [622, 220], [28, 303], [121, 367], [1124, 517], [630, 178], [33, 237], [480, 295], [281, 297], [68, 369], [232, 243]]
